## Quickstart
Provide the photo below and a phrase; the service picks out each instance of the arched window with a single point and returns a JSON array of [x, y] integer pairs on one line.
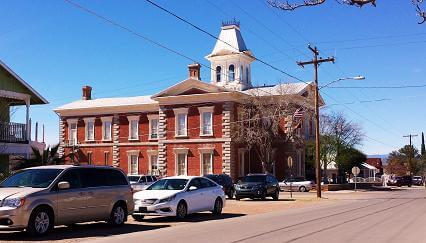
[[247, 74], [231, 73], [218, 73], [240, 76]]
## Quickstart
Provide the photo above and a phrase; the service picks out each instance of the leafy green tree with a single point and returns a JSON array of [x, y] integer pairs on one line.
[[398, 161], [47, 157], [348, 158]]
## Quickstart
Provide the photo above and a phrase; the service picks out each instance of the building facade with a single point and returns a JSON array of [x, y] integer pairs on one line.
[[182, 130]]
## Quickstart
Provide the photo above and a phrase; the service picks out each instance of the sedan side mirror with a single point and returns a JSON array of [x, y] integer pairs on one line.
[[192, 188], [63, 185]]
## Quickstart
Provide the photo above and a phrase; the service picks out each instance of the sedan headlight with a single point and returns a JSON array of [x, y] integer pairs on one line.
[[13, 202], [167, 199]]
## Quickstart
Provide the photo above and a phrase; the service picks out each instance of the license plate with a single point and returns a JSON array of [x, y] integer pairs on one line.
[[143, 209]]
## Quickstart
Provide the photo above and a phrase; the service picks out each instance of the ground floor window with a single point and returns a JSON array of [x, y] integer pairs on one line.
[[154, 164], [106, 158], [89, 158], [207, 163], [134, 164], [181, 163]]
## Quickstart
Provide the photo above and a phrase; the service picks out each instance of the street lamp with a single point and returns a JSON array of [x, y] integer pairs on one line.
[[340, 79]]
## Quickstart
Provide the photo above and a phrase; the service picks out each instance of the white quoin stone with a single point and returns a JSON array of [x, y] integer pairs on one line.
[[231, 60]]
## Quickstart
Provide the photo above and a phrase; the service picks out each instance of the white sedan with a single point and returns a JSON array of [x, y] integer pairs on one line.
[[179, 196], [297, 184]]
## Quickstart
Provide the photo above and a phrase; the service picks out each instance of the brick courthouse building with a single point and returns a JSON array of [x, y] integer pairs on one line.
[[183, 130]]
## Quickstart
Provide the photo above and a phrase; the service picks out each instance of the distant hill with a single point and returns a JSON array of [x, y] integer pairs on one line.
[[384, 157]]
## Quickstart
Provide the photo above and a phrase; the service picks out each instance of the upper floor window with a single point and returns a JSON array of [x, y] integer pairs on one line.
[[181, 115], [90, 129], [153, 126], [72, 125], [106, 128], [240, 74], [133, 127], [218, 73], [231, 72], [206, 120]]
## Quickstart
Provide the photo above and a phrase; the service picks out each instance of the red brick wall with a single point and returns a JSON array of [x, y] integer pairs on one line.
[[193, 125], [194, 160]]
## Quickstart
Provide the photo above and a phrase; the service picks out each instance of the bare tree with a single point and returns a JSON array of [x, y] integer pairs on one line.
[[337, 135], [266, 121], [292, 5]]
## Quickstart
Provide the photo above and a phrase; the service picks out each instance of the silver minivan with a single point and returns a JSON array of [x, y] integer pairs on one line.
[[36, 199]]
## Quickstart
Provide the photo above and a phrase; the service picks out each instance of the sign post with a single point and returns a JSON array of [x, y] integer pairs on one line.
[[355, 172], [290, 165]]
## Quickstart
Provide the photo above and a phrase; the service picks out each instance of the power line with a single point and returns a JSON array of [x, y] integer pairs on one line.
[[377, 87], [216, 38]]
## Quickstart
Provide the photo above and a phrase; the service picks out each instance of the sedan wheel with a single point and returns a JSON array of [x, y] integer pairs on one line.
[[181, 210], [218, 206], [302, 189]]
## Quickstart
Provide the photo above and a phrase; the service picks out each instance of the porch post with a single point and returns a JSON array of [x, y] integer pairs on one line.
[[28, 132]]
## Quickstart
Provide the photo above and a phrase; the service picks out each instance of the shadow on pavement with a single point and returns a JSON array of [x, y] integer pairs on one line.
[[197, 217], [80, 231]]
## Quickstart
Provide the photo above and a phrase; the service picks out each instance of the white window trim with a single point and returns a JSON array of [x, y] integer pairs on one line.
[[203, 152], [203, 110], [129, 161], [180, 111], [152, 153], [69, 122], [150, 118], [130, 119], [181, 151], [220, 74], [106, 119], [86, 122]]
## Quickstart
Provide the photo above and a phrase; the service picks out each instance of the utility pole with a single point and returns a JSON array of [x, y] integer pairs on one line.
[[316, 61], [410, 150]]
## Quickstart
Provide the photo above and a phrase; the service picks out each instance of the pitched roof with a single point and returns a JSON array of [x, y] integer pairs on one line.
[[189, 84], [107, 102], [230, 42], [376, 162], [36, 98], [279, 89]]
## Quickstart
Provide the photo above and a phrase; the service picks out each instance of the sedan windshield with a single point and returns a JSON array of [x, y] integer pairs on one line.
[[259, 178], [37, 178], [169, 184]]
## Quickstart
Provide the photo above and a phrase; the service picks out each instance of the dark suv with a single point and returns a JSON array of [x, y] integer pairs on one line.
[[257, 186], [401, 181], [225, 181]]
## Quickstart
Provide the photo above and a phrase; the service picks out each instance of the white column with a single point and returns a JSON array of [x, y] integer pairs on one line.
[[27, 119]]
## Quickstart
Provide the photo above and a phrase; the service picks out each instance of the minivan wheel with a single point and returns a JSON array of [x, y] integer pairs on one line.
[[138, 218], [40, 222], [181, 210], [118, 215], [218, 206], [302, 189]]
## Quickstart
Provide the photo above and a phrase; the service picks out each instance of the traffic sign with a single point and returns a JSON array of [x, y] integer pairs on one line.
[[355, 170]]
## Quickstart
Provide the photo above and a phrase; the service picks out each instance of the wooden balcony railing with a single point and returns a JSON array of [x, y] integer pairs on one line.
[[11, 132]]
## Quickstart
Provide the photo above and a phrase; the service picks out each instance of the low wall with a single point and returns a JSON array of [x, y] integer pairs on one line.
[[350, 186]]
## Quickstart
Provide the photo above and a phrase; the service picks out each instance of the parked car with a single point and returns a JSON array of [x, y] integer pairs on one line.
[[297, 184], [179, 196], [38, 198], [418, 181], [140, 182], [401, 181], [257, 186], [225, 181]]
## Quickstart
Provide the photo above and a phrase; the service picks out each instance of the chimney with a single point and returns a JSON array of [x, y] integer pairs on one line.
[[87, 93], [194, 71]]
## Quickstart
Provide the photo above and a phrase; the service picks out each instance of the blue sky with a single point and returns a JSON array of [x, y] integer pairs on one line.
[[58, 48]]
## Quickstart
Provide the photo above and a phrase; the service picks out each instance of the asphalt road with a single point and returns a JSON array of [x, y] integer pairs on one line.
[[397, 216]]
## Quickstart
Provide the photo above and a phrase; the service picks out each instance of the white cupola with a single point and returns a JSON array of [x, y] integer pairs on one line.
[[230, 59]]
